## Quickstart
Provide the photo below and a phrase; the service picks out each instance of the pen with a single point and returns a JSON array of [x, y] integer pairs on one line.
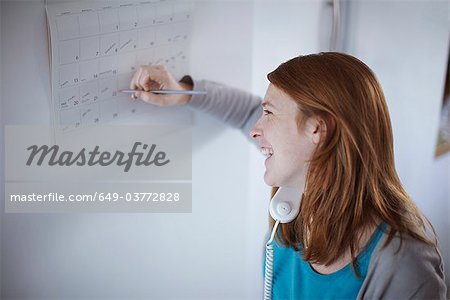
[[183, 92]]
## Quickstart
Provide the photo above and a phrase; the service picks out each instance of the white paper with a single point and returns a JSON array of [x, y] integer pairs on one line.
[[97, 46]]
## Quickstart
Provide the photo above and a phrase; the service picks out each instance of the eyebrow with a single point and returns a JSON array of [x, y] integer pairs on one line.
[[264, 104]]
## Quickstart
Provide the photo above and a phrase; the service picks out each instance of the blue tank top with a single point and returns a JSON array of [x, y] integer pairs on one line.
[[294, 278]]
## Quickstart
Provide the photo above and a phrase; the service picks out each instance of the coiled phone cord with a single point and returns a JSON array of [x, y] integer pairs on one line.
[[269, 265]]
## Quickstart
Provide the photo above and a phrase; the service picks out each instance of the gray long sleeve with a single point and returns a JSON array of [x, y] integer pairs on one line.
[[416, 271], [237, 108]]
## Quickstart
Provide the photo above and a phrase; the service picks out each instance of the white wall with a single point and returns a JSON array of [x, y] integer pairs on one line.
[[2, 178]]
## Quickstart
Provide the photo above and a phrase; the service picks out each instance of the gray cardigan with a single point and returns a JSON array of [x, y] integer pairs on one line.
[[414, 272]]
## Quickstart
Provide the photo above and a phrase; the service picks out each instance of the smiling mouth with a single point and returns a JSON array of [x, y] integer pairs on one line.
[[267, 152]]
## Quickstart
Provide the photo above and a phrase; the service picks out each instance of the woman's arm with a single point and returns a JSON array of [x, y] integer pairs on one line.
[[235, 107], [413, 271]]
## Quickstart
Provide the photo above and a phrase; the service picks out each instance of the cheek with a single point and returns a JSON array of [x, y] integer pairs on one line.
[[299, 150], [305, 150], [269, 130], [287, 142]]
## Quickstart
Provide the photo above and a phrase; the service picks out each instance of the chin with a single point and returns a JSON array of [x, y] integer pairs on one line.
[[269, 181]]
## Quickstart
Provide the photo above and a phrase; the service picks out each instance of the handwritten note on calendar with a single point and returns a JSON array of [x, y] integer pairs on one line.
[[96, 46]]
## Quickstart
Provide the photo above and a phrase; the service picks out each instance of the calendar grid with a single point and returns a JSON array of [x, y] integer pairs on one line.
[[97, 49]]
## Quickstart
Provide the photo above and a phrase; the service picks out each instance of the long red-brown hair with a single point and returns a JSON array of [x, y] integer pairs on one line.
[[351, 181]]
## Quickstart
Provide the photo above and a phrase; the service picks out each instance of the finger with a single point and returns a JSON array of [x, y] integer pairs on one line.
[[133, 84], [163, 73], [139, 80], [149, 97], [145, 81], [152, 78], [159, 67]]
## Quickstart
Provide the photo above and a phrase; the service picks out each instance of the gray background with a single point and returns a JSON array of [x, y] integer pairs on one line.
[[216, 251]]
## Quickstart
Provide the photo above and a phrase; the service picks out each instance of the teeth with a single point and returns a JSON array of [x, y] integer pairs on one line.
[[267, 152]]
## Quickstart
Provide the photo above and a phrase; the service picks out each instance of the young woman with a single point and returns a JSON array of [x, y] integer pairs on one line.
[[325, 129]]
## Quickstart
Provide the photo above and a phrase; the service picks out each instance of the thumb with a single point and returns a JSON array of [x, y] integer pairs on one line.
[[147, 97]]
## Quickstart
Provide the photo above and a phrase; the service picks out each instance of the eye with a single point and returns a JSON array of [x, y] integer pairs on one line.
[[266, 112]]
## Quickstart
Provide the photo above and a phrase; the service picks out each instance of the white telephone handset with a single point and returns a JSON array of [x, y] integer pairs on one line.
[[285, 204], [284, 207]]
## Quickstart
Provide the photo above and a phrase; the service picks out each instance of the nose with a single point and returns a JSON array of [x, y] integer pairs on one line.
[[256, 131]]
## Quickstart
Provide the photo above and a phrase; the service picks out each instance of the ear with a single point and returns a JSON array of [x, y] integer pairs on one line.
[[316, 129]]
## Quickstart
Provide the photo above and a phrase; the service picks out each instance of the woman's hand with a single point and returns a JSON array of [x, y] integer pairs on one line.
[[156, 77]]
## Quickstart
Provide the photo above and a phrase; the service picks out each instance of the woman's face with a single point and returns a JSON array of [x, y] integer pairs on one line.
[[277, 133]]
